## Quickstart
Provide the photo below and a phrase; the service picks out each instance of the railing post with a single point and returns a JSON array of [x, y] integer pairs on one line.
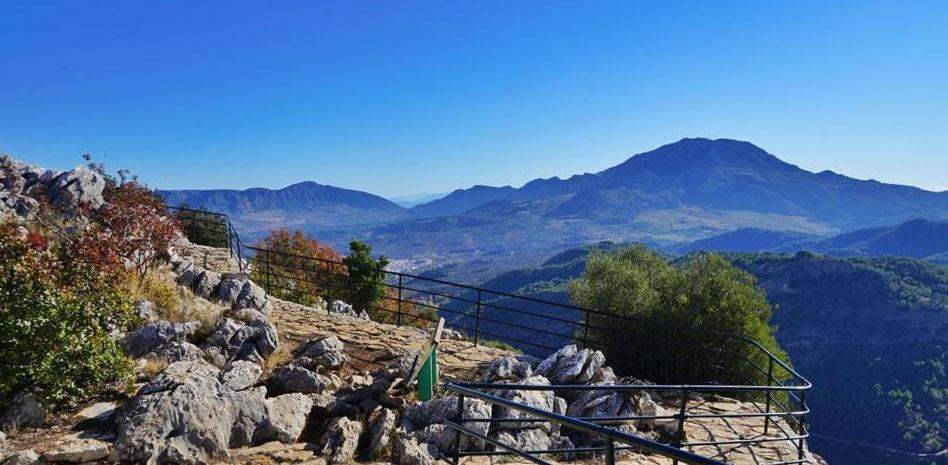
[[477, 320], [398, 315], [680, 437], [770, 380], [586, 330], [610, 453], [802, 421], [267, 262], [459, 419]]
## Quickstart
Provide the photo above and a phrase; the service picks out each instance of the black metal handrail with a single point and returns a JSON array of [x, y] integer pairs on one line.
[[600, 426], [481, 312]]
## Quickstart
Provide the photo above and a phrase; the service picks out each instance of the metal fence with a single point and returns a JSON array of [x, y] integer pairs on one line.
[[731, 365]]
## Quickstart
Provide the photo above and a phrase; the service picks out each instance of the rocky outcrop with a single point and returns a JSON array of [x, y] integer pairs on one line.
[[192, 413], [82, 185], [160, 336], [234, 340]]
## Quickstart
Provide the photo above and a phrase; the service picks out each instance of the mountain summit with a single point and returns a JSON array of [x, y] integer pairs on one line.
[[679, 192]]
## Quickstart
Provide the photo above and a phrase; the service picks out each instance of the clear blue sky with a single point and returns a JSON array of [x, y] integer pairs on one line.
[[404, 97]]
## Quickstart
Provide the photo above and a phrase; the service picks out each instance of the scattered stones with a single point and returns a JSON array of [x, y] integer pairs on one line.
[[25, 410], [80, 451], [341, 440]]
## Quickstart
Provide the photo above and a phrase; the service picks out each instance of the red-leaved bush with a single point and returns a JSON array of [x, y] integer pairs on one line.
[[135, 226]]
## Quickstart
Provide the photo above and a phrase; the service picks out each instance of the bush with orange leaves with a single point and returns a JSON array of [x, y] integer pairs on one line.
[[293, 266]]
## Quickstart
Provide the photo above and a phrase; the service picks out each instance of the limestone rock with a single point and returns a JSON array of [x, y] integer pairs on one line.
[[205, 284], [146, 311], [190, 413], [570, 365], [507, 368], [180, 415], [251, 296], [343, 308], [410, 452], [240, 375], [188, 274], [341, 439], [176, 352], [230, 286], [100, 411], [80, 185], [417, 419], [542, 400], [285, 418], [293, 378], [325, 351], [80, 451], [25, 457], [151, 336], [526, 440], [232, 340], [25, 410], [380, 432]]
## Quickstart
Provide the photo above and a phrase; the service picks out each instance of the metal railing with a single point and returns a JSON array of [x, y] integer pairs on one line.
[[734, 365], [602, 433]]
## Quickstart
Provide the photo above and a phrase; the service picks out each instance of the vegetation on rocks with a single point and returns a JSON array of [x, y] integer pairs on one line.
[[59, 303], [670, 323]]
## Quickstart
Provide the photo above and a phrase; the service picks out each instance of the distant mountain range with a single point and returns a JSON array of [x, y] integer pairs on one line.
[[918, 238], [412, 200], [306, 205], [866, 331], [677, 193]]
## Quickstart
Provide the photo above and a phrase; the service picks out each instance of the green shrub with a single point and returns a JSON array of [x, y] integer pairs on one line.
[[676, 324], [204, 228], [58, 304], [366, 279]]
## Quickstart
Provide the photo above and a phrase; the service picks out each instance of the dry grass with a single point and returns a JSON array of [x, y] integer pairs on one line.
[[177, 304], [152, 367], [283, 355]]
